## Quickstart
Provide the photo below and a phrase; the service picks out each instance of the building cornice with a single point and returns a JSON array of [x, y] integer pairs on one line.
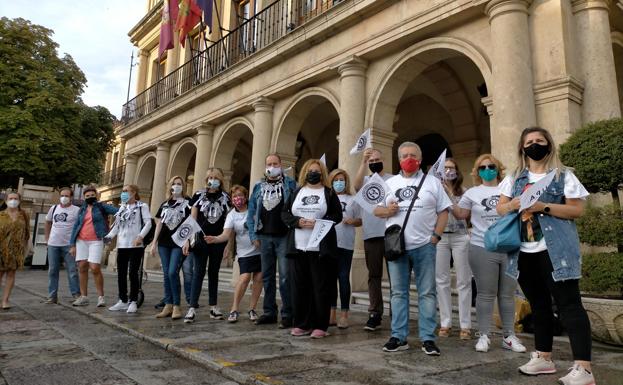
[[564, 88], [147, 23]]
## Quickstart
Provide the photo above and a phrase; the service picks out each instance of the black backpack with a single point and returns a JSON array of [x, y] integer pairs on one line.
[[152, 230]]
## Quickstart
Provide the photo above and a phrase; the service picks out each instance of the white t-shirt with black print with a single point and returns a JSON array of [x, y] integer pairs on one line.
[[482, 201], [346, 233], [63, 219], [431, 201], [373, 226], [131, 221], [238, 222], [309, 203]]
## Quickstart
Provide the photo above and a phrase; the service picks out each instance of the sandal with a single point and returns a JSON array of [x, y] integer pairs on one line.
[[466, 334], [444, 332], [233, 316]]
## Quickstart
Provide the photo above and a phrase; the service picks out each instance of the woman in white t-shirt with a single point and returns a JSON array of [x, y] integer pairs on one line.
[[489, 269], [340, 181], [548, 262], [313, 265], [248, 255]]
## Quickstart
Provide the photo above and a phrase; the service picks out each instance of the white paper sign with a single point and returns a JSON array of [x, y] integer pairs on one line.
[[186, 230], [321, 229], [533, 193], [372, 193], [362, 143], [323, 159], [438, 169]]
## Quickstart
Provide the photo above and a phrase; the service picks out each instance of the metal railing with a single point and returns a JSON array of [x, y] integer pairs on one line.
[[253, 35], [114, 176]]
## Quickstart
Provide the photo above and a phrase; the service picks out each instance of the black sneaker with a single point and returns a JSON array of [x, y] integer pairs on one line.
[[160, 305], [430, 348], [374, 322], [395, 345], [266, 319], [286, 323]]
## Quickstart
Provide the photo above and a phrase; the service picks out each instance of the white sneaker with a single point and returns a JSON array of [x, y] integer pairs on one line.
[[81, 301], [190, 316], [216, 313], [119, 306], [132, 308], [537, 365], [512, 343], [577, 376], [483, 343], [101, 301]]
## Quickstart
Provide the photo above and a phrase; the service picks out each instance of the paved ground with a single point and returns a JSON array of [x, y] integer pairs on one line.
[[48, 344]]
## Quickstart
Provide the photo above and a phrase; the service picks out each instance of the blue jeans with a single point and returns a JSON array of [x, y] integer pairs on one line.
[[344, 263], [55, 254], [422, 262], [187, 269], [273, 250], [171, 260]]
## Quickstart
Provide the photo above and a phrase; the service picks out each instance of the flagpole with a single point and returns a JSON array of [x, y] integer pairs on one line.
[[220, 27], [205, 42]]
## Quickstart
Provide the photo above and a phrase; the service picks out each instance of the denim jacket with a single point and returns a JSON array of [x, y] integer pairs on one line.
[[255, 204], [561, 235], [99, 221]]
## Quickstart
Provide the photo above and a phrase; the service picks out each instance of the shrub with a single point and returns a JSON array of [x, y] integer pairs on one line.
[[600, 226], [602, 274]]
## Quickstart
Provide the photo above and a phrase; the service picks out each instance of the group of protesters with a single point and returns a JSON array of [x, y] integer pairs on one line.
[[271, 231]]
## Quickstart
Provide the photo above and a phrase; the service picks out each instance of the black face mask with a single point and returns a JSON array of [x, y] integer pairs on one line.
[[376, 167], [313, 177], [90, 200], [536, 151]]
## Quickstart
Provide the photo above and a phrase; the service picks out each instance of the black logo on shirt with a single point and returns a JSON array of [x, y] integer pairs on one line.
[[405, 194], [343, 206], [310, 200], [490, 203], [61, 217]]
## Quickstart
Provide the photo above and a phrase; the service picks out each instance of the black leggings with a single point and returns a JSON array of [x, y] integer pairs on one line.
[[537, 283], [131, 256]]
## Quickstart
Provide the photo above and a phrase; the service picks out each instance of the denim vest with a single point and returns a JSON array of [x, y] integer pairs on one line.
[[255, 204], [100, 223], [561, 235]]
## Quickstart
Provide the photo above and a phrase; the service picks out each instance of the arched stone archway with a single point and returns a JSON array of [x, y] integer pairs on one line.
[[232, 152], [145, 175], [183, 162], [309, 128], [437, 88]]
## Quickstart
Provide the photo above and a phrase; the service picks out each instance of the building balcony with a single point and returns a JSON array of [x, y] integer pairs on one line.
[[113, 177]]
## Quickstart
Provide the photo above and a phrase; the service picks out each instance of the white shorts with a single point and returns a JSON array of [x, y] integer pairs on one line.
[[89, 251]]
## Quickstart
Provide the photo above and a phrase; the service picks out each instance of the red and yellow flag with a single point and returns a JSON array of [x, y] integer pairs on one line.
[[188, 17]]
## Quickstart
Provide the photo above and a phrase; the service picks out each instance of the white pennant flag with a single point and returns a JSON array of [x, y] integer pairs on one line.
[[438, 169], [321, 229], [323, 159], [186, 230], [362, 143], [372, 193], [533, 193]]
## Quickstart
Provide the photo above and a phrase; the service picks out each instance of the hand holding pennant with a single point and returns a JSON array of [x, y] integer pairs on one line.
[[321, 229], [438, 169], [533, 193], [186, 230], [372, 193], [362, 143]]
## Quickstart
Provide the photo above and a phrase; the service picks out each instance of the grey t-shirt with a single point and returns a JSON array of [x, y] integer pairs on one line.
[[373, 226]]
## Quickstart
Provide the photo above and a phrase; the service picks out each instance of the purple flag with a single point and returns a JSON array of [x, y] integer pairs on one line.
[[206, 6], [169, 17]]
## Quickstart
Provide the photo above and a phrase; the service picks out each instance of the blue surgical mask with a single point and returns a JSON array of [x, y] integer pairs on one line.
[[339, 185], [125, 197], [488, 175], [214, 183]]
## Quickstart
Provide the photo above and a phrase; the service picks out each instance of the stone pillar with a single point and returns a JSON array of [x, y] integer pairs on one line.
[[596, 60], [143, 69], [160, 175], [205, 135], [108, 165], [513, 95], [131, 161], [262, 134], [121, 153], [173, 55]]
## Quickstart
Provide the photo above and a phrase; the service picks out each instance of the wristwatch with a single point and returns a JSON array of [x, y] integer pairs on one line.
[[546, 209], [437, 235]]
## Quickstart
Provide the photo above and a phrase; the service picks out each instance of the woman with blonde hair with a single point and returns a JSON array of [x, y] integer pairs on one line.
[[209, 209], [171, 214], [351, 212], [248, 255], [14, 236], [548, 263], [132, 223], [313, 269]]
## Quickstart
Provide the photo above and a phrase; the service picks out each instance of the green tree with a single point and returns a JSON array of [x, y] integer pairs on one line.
[[47, 134]]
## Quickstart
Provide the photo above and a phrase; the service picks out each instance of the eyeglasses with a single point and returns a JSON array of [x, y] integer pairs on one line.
[[487, 166]]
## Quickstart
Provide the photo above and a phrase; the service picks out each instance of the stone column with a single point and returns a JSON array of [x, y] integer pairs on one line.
[[160, 175], [131, 161], [596, 60], [262, 134], [143, 69], [121, 153], [173, 56], [108, 165], [513, 95], [205, 135]]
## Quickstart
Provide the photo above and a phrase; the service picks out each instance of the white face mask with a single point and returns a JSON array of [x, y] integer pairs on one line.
[[273, 172], [12, 203], [214, 183], [176, 189], [65, 200]]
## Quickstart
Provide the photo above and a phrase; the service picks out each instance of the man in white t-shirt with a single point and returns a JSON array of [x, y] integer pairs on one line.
[[59, 223], [422, 231]]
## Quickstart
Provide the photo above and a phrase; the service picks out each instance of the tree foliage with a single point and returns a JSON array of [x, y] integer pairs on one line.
[[47, 134]]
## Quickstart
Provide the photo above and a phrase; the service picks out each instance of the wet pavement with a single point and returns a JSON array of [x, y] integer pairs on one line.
[[48, 344]]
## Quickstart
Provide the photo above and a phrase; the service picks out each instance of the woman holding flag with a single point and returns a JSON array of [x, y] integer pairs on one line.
[[310, 214], [548, 262]]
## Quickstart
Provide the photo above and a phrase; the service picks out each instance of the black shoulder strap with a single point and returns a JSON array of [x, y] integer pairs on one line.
[[53, 211], [415, 195]]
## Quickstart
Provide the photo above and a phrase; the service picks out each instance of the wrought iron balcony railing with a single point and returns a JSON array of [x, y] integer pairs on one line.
[[253, 35], [114, 176]]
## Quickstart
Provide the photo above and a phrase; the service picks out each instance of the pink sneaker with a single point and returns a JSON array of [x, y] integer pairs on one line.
[[298, 332], [317, 333]]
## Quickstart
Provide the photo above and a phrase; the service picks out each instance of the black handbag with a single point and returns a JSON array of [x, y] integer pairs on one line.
[[394, 234]]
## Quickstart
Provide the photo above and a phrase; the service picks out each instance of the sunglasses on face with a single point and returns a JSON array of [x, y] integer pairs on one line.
[[487, 166]]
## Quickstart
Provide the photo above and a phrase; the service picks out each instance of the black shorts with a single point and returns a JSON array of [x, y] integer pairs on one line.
[[251, 264]]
